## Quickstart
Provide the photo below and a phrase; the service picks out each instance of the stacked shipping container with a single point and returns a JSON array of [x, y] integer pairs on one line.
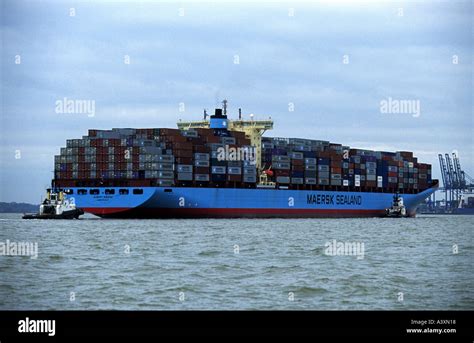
[[318, 163], [152, 157], [171, 157]]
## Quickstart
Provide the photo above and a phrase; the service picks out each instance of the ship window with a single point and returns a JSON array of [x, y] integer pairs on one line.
[[94, 191], [69, 191], [81, 191], [123, 191], [138, 191], [110, 191], [168, 190]]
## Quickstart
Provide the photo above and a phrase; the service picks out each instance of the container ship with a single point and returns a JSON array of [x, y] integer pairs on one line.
[[218, 167]]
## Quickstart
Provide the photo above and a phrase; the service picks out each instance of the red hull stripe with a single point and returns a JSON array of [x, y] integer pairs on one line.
[[103, 210], [232, 211]]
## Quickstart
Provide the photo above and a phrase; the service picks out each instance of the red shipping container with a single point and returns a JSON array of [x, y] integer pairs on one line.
[[183, 146], [201, 170], [212, 139], [234, 178], [201, 148], [120, 150], [196, 140], [406, 154], [282, 172], [238, 134], [175, 139], [139, 183], [66, 183], [182, 153], [297, 168], [184, 160], [243, 141], [170, 132], [205, 132]]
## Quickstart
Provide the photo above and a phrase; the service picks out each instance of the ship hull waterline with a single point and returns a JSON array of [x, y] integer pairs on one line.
[[195, 202]]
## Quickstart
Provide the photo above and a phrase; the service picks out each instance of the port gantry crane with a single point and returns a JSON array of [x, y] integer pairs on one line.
[[455, 180]]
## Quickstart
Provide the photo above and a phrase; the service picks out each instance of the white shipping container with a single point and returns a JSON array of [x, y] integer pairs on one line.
[[234, 170], [218, 170], [201, 156], [281, 165], [250, 178], [250, 170], [165, 175], [185, 168], [280, 158], [185, 176], [283, 179], [201, 163], [297, 155], [165, 183]]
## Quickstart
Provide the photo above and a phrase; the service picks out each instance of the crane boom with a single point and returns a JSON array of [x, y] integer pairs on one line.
[[444, 172]]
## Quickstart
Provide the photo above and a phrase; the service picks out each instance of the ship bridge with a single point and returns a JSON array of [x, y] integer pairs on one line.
[[254, 129]]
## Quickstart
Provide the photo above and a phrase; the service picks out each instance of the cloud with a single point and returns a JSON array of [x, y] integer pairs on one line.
[[190, 59]]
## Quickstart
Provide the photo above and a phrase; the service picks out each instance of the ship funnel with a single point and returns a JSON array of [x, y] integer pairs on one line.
[[218, 120]]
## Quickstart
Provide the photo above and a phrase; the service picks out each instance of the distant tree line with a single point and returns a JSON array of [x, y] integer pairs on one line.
[[14, 207]]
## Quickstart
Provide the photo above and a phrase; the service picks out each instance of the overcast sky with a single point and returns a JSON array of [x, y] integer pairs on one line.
[[334, 61]]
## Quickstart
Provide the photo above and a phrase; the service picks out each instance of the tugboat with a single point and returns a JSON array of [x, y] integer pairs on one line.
[[397, 210], [55, 206]]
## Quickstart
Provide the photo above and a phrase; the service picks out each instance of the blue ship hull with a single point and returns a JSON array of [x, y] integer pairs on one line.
[[196, 202]]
